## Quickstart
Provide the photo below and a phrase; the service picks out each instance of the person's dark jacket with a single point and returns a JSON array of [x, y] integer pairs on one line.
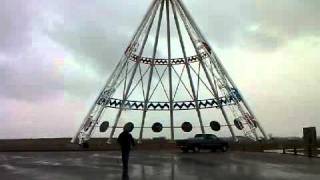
[[126, 141]]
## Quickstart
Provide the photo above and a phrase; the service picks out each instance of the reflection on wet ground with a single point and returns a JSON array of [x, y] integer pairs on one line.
[[156, 166], [300, 151]]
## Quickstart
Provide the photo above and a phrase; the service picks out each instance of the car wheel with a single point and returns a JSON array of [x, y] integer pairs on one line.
[[224, 148], [185, 150], [85, 145], [196, 149]]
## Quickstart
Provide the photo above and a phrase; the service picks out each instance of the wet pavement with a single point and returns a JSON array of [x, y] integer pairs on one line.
[[157, 166]]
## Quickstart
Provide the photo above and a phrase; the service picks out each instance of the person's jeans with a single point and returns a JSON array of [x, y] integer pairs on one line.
[[125, 159]]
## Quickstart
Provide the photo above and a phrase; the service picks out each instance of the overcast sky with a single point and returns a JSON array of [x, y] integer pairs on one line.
[[55, 56]]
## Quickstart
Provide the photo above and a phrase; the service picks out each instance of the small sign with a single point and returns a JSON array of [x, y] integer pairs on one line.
[[310, 140], [310, 136]]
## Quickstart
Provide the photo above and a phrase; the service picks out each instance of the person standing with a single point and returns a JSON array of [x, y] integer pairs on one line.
[[126, 141]]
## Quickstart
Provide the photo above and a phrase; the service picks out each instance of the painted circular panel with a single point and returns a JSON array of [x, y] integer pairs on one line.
[[238, 123], [104, 126], [215, 125], [157, 127], [186, 127]]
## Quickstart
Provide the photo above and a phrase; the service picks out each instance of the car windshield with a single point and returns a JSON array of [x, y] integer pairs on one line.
[[199, 136], [205, 136], [212, 137]]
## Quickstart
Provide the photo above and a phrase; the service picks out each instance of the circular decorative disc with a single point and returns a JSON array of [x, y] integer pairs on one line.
[[238, 123], [129, 126], [215, 125], [104, 126], [186, 127], [157, 127]]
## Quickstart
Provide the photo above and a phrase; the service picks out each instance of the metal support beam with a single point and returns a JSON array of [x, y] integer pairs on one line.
[[145, 108], [184, 19], [195, 98], [112, 78], [170, 69], [94, 105], [215, 57], [125, 96], [138, 43]]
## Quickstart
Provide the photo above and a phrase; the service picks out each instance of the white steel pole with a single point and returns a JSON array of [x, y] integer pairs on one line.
[[125, 96], [145, 108], [221, 65], [195, 98], [170, 69], [208, 77]]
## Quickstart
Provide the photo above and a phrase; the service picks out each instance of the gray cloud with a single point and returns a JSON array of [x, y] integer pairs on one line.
[[99, 31], [16, 25], [93, 35], [264, 41], [290, 17], [99, 50], [24, 73], [26, 79], [229, 21]]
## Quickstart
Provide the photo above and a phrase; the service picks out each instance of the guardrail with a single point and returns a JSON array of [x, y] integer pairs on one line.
[[294, 148], [310, 151]]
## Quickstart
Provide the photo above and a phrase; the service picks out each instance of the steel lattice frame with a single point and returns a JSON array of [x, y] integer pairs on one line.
[[224, 92]]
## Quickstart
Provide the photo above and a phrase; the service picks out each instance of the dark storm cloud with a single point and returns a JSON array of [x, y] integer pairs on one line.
[[99, 50], [26, 79], [221, 21], [99, 31], [88, 38], [228, 22], [96, 34], [263, 41], [290, 17], [26, 71], [15, 25]]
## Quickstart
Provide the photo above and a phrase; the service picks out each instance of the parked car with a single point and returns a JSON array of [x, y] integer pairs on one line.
[[202, 141]]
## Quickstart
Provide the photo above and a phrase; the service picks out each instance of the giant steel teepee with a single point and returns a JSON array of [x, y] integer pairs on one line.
[[152, 77]]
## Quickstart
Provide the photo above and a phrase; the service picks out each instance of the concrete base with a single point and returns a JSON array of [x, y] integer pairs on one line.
[[157, 166]]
